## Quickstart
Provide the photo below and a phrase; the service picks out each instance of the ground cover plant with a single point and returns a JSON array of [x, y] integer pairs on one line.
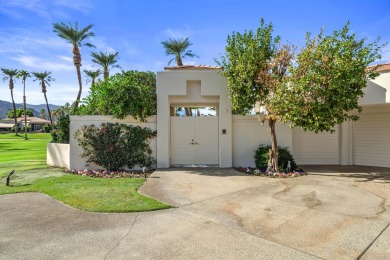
[[28, 159]]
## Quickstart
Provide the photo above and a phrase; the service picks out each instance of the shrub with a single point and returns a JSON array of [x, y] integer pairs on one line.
[[127, 93], [47, 128], [28, 129], [261, 158], [113, 145], [61, 133]]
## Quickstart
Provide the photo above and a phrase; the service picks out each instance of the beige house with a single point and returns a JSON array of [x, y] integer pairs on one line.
[[6, 125], [35, 123], [227, 140]]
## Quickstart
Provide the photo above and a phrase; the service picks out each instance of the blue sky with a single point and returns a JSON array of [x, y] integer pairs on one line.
[[135, 28]]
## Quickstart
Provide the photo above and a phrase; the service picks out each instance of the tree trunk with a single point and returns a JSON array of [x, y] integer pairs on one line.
[[15, 118], [188, 111], [80, 89], [25, 114], [77, 64], [275, 152], [106, 74], [48, 111], [179, 61]]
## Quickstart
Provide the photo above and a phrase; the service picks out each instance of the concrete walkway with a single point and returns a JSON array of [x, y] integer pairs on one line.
[[334, 213]]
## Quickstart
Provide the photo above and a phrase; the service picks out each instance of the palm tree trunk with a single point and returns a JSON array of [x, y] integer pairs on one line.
[[179, 62], [16, 120], [48, 111], [25, 115], [80, 88], [106, 74], [188, 111], [77, 64]]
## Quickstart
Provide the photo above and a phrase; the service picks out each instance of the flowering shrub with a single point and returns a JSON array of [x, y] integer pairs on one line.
[[262, 172], [114, 146], [108, 174]]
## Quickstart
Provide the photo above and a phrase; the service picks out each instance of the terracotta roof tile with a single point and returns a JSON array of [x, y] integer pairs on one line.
[[193, 67], [381, 67]]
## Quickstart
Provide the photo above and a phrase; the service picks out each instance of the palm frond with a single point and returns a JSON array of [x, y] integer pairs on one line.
[[72, 34], [178, 48], [106, 60]]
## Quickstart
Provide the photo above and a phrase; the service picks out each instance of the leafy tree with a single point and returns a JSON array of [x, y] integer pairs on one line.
[[24, 75], [178, 48], [19, 113], [316, 92], [328, 80], [62, 131], [92, 75], [76, 37], [10, 74], [126, 93], [106, 60], [255, 66], [45, 78]]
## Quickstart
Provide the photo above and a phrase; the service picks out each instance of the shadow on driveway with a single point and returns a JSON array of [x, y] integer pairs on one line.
[[360, 173]]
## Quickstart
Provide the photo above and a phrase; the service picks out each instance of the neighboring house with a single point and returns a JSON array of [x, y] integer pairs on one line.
[[382, 82], [35, 123], [227, 140], [6, 125]]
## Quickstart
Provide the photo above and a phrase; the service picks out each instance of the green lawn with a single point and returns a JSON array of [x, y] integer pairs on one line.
[[28, 159], [19, 154]]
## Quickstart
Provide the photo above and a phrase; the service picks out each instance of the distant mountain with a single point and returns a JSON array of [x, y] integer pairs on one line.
[[5, 105]]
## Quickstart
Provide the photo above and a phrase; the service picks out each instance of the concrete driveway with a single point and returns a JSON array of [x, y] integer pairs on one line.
[[334, 213]]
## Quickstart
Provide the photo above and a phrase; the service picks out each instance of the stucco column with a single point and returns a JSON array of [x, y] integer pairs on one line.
[[346, 154]]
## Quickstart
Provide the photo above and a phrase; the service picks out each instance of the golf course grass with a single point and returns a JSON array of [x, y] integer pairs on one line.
[[28, 159]]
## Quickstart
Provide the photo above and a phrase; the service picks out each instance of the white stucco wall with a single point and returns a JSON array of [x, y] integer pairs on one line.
[[383, 80], [175, 87], [371, 136], [58, 155], [248, 134], [373, 94], [76, 122]]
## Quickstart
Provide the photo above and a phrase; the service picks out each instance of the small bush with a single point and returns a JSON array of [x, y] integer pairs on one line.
[[261, 158], [28, 129], [114, 145], [47, 128]]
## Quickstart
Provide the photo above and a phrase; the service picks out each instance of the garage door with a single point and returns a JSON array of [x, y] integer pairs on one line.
[[312, 148], [194, 141], [371, 140]]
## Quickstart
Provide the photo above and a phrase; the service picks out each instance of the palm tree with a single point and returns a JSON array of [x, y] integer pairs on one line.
[[76, 37], [45, 79], [92, 75], [24, 75], [106, 60], [178, 48], [42, 113], [9, 74]]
